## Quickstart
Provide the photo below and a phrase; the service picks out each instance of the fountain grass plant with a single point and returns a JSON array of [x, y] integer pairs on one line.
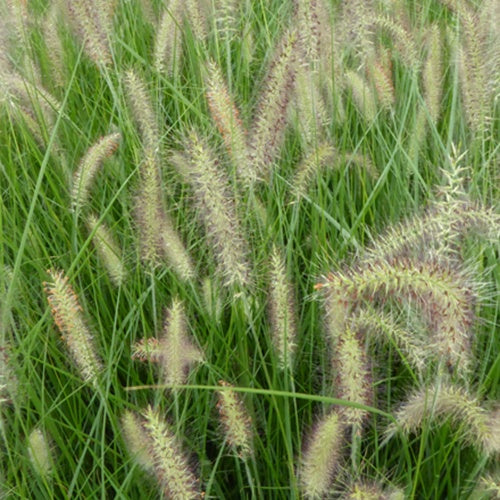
[[184, 172]]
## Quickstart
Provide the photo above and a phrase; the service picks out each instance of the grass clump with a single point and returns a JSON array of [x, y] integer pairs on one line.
[[218, 222]]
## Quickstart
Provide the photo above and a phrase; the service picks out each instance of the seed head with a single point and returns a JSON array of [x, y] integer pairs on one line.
[[67, 314]]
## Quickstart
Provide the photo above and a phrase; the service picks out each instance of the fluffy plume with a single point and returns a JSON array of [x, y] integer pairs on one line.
[[312, 114], [38, 102], [39, 453], [137, 442], [143, 113], [212, 298], [321, 456], [369, 490], [476, 94], [432, 83], [89, 166], [197, 17], [174, 351], [168, 463], [271, 115], [432, 74], [310, 166], [403, 39], [107, 250], [226, 18], [353, 380], [55, 49], [226, 117], [380, 325], [442, 293], [380, 72], [282, 310], [68, 316], [356, 26], [93, 21], [158, 237], [311, 21], [168, 39], [8, 379], [216, 208], [440, 229], [235, 420], [479, 427], [362, 95]]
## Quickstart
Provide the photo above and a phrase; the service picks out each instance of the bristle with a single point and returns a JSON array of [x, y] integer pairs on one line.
[[55, 49], [432, 77], [355, 27], [178, 351], [142, 110], [404, 42], [138, 442], [443, 295], [311, 111], [378, 324], [8, 380], [158, 237], [380, 73], [196, 15]]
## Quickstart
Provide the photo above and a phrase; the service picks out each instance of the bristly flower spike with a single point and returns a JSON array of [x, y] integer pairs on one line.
[[174, 351], [93, 22], [226, 117], [89, 166], [216, 208], [480, 427], [67, 314], [168, 39], [270, 119], [136, 441], [168, 463], [353, 379], [443, 294], [39, 453], [282, 310], [158, 237], [235, 420], [107, 250], [321, 456]]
